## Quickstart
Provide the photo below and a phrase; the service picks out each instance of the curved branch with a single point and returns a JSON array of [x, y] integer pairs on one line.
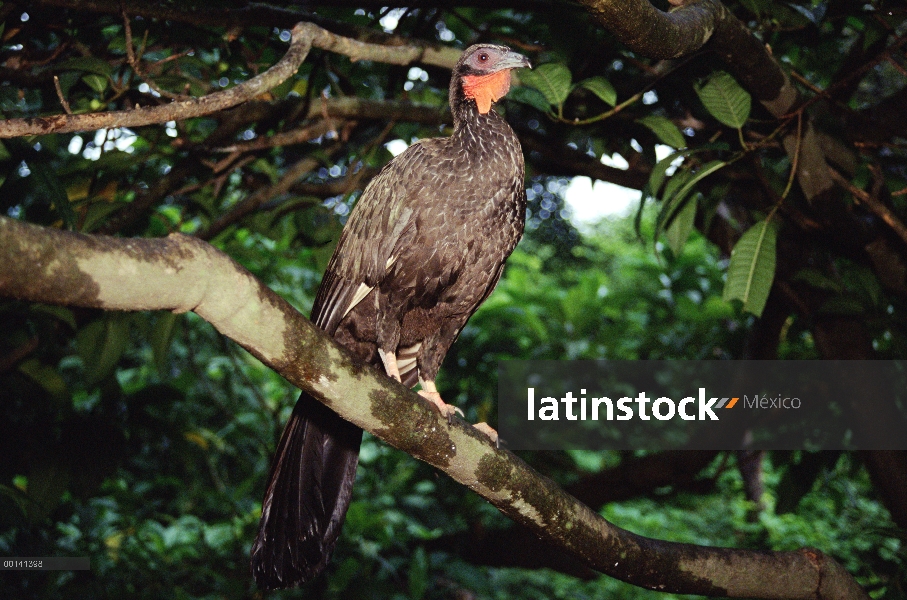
[[300, 44], [708, 24], [653, 33], [304, 37], [46, 265]]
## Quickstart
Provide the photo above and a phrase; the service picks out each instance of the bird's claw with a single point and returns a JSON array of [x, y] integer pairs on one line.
[[446, 410], [490, 432]]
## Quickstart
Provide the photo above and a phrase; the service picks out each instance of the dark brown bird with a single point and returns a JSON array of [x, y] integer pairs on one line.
[[423, 248]]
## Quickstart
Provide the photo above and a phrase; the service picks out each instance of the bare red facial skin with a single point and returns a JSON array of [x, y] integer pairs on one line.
[[485, 89]]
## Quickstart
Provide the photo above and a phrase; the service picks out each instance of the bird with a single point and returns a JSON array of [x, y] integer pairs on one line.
[[424, 246]]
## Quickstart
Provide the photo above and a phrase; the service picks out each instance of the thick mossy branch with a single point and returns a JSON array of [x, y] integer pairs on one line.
[[181, 273], [702, 25], [655, 34], [709, 25]]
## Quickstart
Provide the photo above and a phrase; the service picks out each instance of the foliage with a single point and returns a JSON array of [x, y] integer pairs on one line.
[[143, 440], [753, 267]]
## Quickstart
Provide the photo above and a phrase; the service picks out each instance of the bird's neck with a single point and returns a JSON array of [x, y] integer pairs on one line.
[[472, 127], [486, 89], [472, 97]]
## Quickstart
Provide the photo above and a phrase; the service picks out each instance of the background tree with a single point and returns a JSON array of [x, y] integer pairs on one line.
[[142, 439]]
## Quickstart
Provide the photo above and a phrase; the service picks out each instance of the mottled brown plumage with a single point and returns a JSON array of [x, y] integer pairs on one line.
[[423, 248]]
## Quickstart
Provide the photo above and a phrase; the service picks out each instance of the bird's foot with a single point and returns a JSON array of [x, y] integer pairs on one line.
[[447, 410], [490, 432], [390, 364]]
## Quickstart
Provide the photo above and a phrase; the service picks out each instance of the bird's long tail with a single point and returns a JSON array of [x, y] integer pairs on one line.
[[308, 493]]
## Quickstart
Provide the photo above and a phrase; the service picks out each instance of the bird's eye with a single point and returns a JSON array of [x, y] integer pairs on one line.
[[483, 57]]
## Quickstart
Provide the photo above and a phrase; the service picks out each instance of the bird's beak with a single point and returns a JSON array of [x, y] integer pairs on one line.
[[512, 60]]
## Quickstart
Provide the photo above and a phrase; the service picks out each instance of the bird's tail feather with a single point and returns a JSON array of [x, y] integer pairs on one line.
[[308, 493]]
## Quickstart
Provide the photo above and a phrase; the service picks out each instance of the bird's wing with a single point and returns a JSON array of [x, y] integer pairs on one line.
[[382, 218]]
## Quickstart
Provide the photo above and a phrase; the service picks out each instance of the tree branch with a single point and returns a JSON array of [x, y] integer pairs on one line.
[[251, 203], [873, 203], [300, 44], [708, 24], [563, 160], [47, 265]]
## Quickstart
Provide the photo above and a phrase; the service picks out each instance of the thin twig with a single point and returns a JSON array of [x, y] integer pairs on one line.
[[251, 203], [127, 30], [897, 66], [61, 97], [285, 138], [881, 56], [872, 203], [134, 61], [796, 160]]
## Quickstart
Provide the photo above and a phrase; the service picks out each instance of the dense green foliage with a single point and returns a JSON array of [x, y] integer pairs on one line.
[[143, 440]]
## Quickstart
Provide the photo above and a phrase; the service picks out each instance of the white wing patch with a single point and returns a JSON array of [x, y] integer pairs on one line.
[[361, 292]]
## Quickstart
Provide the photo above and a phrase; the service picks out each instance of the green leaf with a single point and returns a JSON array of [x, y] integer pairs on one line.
[[418, 574], [842, 305], [677, 190], [752, 268], [47, 183], [817, 279], [44, 375], [97, 213], [551, 79], [101, 344], [867, 285], [754, 6], [530, 96], [96, 82], [88, 64], [637, 218], [725, 100], [659, 171], [61, 313], [45, 178], [680, 227], [665, 130], [602, 88], [161, 338], [700, 174], [67, 79]]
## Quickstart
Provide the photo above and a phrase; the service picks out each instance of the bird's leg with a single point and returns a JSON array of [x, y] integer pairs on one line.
[[430, 393], [390, 364]]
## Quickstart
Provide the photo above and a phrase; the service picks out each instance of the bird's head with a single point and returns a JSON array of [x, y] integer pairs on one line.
[[483, 73]]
